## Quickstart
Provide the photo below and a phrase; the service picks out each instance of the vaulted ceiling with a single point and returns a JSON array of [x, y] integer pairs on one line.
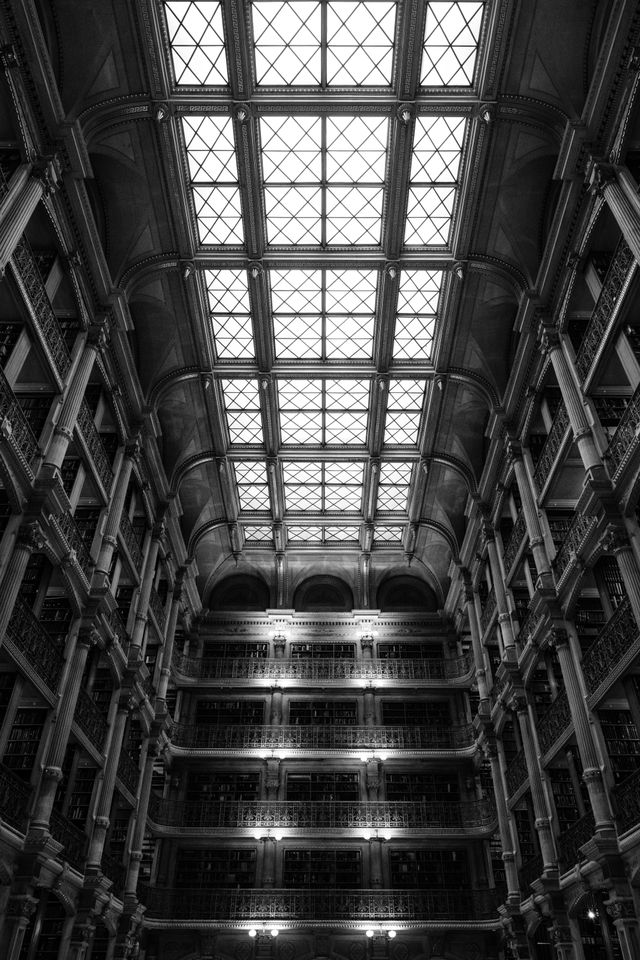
[[324, 215]]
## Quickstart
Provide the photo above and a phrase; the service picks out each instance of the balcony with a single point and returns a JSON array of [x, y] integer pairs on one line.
[[612, 651], [69, 530], [33, 643], [73, 840], [455, 816], [516, 773], [128, 772], [252, 668], [571, 840], [14, 426], [515, 542], [15, 799], [551, 448], [167, 905], [572, 544], [627, 803], [90, 720], [94, 447], [131, 543], [554, 723], [624, 442], [317, 737], [37, 302]]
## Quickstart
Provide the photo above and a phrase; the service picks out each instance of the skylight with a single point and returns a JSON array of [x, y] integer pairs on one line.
[[230, 317], [323, 178], [319, 487], [319, 535], [254, 533], [387, 534], [393, 487], [451, 43], [242, 407], [404, 407], [253, 489], [323, 412], [335, 43], [197, 42], [323, 314], [418, 298], [433, 179], [213, 175]]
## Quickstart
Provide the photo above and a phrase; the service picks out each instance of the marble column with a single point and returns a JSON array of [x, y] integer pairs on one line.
[[27, 187], [620, 191], [542, 821], [497, 579], [530, 512], [28, 539], [142, 607], [114, 516], [167, 650], [139, 829], [476, 642], [506, 840]]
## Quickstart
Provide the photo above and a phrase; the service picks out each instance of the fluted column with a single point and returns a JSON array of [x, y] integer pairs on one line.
[[476, 642], [63, 432], [275, 718], [558, 639], [616, 542], [52, 774], [28, 539], [269, 861], [530, 512], [620, 191], [114, 516], [139, 829], [101, 826], [142, 607], [497, 578], [167, 650], [542, 822], [552, 343], [369, 707], [373, 779], [27, 187], [375, 861], [506, 839]]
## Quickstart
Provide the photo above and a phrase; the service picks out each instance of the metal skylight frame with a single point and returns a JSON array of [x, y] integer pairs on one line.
[[324, 412], [323, 486], [213, 178], [196, 38], [450, 46], [230, 313]]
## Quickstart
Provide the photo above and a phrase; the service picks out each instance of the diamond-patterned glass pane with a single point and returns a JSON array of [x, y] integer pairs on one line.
[[356, 149], [319, 487], [341, 534], [307, 534], [393, 488], [294, 215], [197, 42], [429, 216], [230, 318], [253, 489], [417, 306], [404, 407], [218, 215], [323, 411], [211, 151], [291, 149], [387, 534], [360, 43], [451, 42], [287, 42], [437, 146], [257, 534], [242, 406]]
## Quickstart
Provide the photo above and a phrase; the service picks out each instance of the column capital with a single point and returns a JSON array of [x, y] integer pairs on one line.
[[549, 336], [48, 170], [89, 637], [487, 530], [599, 174], [30, 536], [133, 447], [557, 637], [518, 702], [467, 584], [158, 530], [98, 334], [513, 449], [615, 539]]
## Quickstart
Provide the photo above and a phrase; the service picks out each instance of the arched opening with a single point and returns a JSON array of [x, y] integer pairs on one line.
[[323, 594], [406, 594], [240, 592]]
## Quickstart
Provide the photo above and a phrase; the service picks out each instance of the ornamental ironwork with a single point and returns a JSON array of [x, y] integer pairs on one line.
[[515, 541], [128, 771], [32, 288], [554, 723], [74, 841], [529, 626], [624, 440], [95, 446], [488, 611], [69, 529], [571, 839], [516, 773], [627, 802], [15, 799], [13, 423], [90, 720], [622, 264], [570, 547], [131, 542], [272, 904], [252, 736], [157, 609], [30, 638], [248, 668], [207, 814], [551, 447], [614, 641]]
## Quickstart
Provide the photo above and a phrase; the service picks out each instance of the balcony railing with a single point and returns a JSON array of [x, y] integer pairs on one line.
[[346, 905], [252, 668], [30, 283], [554, 723], [207, 814], [128, 771], [73, 840], [130, 541], [13, 422], [488, 610], [117, 626], [625, 439], [331, 736], [618, 635], [515, 541], [579, 530], [627, 802], [95, 446], [617, 276], [67, 526], [552, 445], [36, 646], [571, 840], [157, 609], [90, 720], [15, 799], [115, 871], [516, 773]]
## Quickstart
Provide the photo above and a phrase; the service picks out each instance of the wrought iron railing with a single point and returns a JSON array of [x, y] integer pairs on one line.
[[130, 541], [516, 773], [117, 626], [73, 840], [252, 668], [15, 798], [528, 627], [207, 814], [331, 736], [13, 422], [30, 638], [115, 871], [627, 802], [579, 530], [625, 439], [552, 444], [90, 719], [30, 282], [530, 871], [278, 904], [554, 723], [570, 840], [617, 275], [613, 642], [515, 541], [157, 609], [488, 610], [95, 446], [128, 771], [68, 527]]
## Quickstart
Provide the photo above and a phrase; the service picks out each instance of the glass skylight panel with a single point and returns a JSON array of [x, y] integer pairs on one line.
[[323, 412], [302, 486], [433, 179], [213, 174], [404, 408], [393, 488], [306, 534], [346, 534], [418, 298], [197, 42], [322, 534], [296, 297], [242, 407], [451, 43], [254, 533], [384, 533], [343, 485], [323, 486], [334, 43], [229, 311], [324, 179], [253, 489]]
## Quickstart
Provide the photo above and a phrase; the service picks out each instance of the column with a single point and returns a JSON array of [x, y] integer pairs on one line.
[[272, 780], [110, 536], [19, 912], [145, 591], [476, 642], [52, 774], [530, 511], [279, 643], [369, 707], [28, 539], [141, 822], [616, 541], [63, 432], [620, 192], [167, 650], [94, 857], [490, 749], [497, 578], [542, 821], [275, 718], [552, 343], [269, 861], [27, 187]]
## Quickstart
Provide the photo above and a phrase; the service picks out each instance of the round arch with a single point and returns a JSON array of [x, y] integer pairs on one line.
[[323, 594]]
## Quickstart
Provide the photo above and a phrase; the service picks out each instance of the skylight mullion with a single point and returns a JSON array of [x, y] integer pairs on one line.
[[323, 47], [323, 175]]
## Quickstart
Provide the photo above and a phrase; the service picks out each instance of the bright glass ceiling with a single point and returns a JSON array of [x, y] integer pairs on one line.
[[302, 340]]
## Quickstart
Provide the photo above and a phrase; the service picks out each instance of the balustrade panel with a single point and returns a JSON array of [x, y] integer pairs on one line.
[[551, 447], [15, 799], [95, 446], [30, 283], [34, 643], [614, 641], [13, 422], [252, 668]]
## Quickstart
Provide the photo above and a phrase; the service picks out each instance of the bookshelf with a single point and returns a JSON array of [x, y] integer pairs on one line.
[[325, 786], [409, 651], [416, 869], [323, 651], [323, 712], [416, 712], [218, 712], [235, 651], [422, 787], [324, 869], [215, 867], [623, 743], [24, 740], [221, 786]]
